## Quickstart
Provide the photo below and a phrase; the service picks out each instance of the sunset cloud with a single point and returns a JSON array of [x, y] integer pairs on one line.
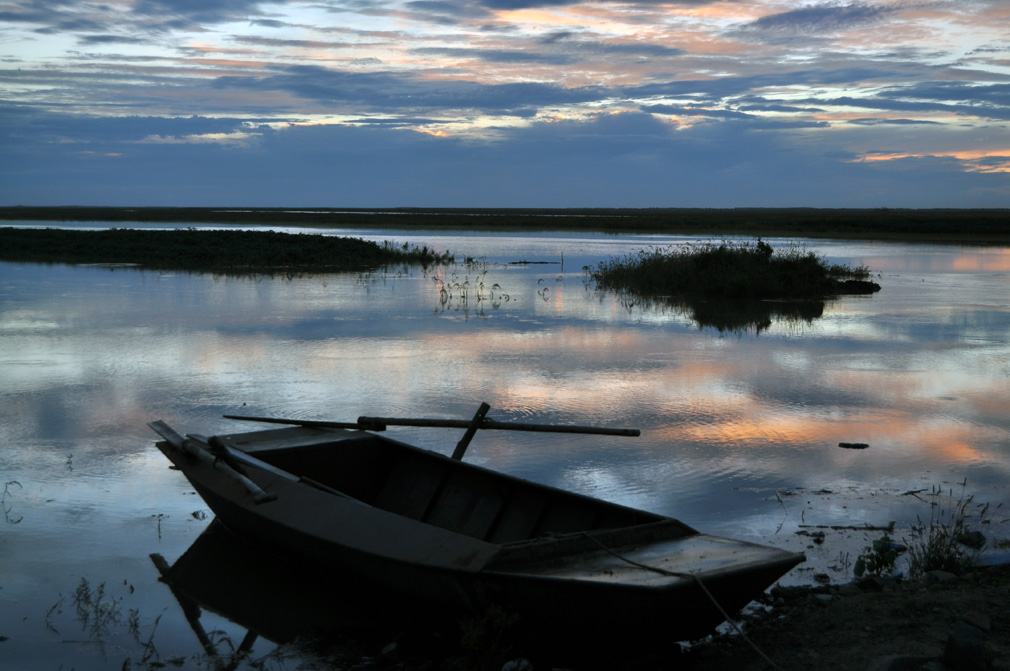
[[734, 98]]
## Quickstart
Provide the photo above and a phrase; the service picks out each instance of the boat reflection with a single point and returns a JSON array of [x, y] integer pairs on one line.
[[277, 599]]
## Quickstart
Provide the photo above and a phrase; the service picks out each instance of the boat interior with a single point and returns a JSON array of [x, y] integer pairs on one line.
[[437, 490]]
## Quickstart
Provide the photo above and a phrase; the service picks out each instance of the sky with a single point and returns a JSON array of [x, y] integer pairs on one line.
[[505, 103]]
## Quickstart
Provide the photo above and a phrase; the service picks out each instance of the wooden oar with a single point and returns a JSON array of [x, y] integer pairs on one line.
[[380, 423], [503, 426], [200, 449], [309, 422]]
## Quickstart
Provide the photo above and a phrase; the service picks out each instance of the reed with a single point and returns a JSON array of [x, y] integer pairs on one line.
[[730, 271], [939, 544]]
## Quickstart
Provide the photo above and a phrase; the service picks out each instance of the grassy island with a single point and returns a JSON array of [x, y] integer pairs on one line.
[[207, 250], [738, 272]]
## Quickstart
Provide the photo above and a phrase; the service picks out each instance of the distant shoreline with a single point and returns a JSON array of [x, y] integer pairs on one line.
[[975, 226]]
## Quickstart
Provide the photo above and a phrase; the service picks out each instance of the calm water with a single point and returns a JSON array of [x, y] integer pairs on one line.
[[740, 427]]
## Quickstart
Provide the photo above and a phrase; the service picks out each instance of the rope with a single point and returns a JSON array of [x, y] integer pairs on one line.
[[693, 576]]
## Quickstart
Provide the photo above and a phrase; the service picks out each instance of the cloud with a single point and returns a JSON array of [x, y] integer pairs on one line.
[[56, 17], [561, 52], [818, 19], [111, 39], [718, 89], [403, 91], [629, 159], [110, 21], [777, 107], [527, 4], [494, 55], [891, 122], [956, 98], [182, 13], [446, 8], [269, 23]]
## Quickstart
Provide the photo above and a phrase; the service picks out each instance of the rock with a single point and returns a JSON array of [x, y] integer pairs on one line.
[[973, 539], [901, 663], [978, 620], [934, 577], [965, 650], [849, 589], [870, 583], [824, 599], [790, 592], [390, 650]]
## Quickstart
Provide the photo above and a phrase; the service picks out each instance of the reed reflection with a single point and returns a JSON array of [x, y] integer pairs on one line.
[[734, 317]]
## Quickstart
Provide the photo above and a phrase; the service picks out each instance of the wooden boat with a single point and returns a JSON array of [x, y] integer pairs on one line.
[[465, 537]]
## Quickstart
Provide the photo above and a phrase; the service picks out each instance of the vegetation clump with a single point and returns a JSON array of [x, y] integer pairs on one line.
[[877, 560], [728, 271], [208, 250], [949, 541]]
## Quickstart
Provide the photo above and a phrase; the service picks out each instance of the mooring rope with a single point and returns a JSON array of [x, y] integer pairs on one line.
[[711, 597]]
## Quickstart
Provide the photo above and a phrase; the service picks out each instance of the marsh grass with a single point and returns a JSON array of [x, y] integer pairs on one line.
[[727, 271], [939, 543]]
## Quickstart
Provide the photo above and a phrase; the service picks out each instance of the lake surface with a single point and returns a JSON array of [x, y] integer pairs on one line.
[[740, 425]]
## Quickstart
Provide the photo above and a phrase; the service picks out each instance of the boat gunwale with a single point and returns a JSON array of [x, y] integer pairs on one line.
[[513, 556], [454, 465]]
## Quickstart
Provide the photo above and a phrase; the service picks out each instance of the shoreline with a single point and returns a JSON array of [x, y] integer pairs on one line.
[[976, 226]]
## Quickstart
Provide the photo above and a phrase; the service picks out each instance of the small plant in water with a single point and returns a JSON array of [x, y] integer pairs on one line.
[[95, 611], [11, 519], [486, 642], [877, 560]]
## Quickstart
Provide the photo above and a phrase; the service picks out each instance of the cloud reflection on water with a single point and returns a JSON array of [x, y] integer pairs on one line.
[[730, 420], [913, 370]]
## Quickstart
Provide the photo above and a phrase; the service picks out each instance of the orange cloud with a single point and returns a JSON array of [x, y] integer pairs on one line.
[[974, 160]]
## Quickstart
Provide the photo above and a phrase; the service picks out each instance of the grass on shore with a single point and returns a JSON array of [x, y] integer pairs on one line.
[[730, 272], [208, 250]]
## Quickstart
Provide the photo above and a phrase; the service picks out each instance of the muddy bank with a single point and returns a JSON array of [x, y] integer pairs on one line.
[[941, 621]]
